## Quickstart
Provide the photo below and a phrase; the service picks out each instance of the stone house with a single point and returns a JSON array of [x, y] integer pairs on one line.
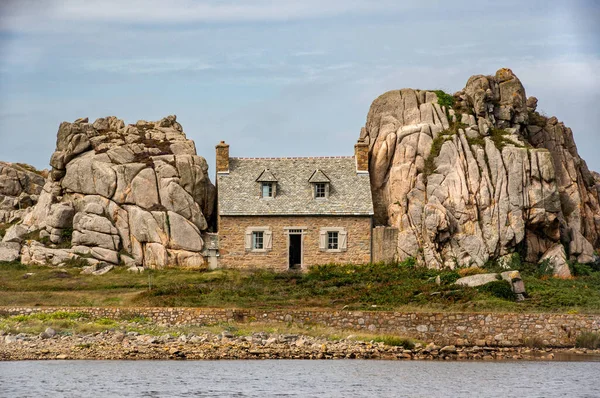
[[293, 213]]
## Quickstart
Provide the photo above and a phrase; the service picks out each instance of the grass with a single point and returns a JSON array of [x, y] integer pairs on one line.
[[500, 139], [588, 340], [398, 286], [65, 324], [444, 99]]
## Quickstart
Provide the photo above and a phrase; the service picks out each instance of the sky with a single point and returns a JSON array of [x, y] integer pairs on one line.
[[277, 77]]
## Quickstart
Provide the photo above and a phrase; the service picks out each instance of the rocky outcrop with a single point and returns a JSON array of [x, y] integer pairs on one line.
[[20, 187], [478, 176], [512, 277], [126, 193]]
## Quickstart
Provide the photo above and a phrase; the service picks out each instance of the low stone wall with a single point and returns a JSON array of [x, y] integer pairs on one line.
[[461, 329]]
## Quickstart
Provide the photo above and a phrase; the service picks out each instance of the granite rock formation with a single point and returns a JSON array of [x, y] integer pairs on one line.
[[480, 175], [134, 194], [20, 187]]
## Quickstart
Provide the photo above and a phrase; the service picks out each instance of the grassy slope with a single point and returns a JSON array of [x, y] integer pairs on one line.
[[367, 287]]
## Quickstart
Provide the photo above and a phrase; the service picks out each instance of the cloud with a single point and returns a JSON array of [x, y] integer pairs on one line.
[[15, 13], [147, 65], [308, 53]]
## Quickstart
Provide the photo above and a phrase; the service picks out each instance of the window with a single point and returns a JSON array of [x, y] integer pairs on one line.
[[332, 240], [257, 240], [320, 190], [267, 189]]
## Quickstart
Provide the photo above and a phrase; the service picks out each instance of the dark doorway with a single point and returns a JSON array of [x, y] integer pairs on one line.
[[295, 251]]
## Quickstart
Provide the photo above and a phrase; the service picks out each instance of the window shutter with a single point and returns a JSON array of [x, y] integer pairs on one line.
[[268, 240], [248, 240], [326, 190], [343, 240], [323, 240]]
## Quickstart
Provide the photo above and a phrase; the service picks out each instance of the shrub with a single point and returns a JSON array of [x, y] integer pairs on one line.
[[534, 342], [449, 277], [581, 269], [499, 138], [444, 99], [588, 340], [67, 234], [500, 289], [470, 271], [78, 262], [395, 341]]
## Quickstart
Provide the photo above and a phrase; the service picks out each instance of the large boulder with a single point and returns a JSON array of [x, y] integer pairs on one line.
[[16, 233], [20, 187], [9, 251], [512, 277], [135, 191], [479, 177]]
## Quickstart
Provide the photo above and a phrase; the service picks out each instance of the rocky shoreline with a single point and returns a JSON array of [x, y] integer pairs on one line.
[[116, 345]]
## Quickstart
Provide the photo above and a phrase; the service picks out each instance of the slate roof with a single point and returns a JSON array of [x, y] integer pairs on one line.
[[319, 176], [266, 176], [239, 191]]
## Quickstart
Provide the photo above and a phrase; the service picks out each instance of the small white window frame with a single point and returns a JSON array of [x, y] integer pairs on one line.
[[342, 239], [326, 190], [333, 240], [258, 237], [272, 189], [267, 239]]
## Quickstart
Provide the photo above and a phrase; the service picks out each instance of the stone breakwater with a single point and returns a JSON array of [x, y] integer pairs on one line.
[[208, 346], [459, 329]]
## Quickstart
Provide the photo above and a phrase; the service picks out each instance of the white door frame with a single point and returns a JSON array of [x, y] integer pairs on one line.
[[295, 231]]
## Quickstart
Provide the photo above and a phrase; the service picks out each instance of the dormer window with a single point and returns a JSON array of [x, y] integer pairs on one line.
[[320, 184], [320, 190], [267, 183], [266, 189]]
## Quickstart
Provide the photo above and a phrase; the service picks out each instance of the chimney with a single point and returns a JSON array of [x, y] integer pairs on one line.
[[361, 154], [222, 157]]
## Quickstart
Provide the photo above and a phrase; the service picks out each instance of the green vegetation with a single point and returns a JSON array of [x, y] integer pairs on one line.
[[444, 99], [588, 340], [67, 234], [534, 342], [437, 144], [393, 341], [500, 289], [396, 286], [476, 141], [79, 324], [3, 228], [501, 139]]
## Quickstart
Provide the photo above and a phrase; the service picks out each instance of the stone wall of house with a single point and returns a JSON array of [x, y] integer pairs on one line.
[[461, 329], [232, 252], [385, 241]]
